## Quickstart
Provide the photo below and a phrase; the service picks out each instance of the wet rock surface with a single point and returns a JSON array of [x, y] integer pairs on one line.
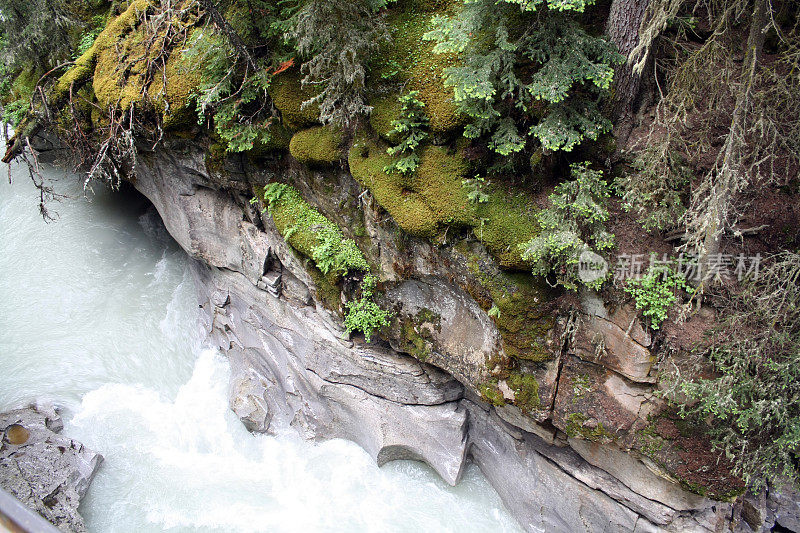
[[46, 471]]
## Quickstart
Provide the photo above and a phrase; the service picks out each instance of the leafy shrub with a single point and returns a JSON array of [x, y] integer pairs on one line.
[[526, 74], [409, 130], [753, 401], [364, 314], [572, 225], [654, 292]]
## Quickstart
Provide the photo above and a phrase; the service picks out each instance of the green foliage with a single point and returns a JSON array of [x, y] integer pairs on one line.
[[526, 74], [475, 189], [409, 129], [752, 400], [364, 314], [37, 32], [654, 190], [654, 292], [572, 225], [311, 234], [15, 111], [491, 393], [90, 36], [235, 101], [336, 37]]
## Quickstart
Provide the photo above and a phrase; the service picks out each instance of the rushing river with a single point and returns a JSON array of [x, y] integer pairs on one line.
[[98, 316]]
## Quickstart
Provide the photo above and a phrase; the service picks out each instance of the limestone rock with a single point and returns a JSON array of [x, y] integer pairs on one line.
[[46, 471]]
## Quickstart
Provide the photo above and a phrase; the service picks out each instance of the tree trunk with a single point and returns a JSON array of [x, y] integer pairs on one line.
[[727, 179], [623, 25]]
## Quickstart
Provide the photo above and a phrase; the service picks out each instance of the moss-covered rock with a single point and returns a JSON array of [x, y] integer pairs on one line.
[[385, 110], [492, 394], [506, 220], [417, 66], [309, 232], [526, 391], [522, 315], [422, 203], [319, 146], [288, 95], [278, 141], [84, 66], [118, 64]]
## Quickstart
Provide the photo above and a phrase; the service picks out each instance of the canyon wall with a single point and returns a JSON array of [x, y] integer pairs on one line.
[[566, 463]]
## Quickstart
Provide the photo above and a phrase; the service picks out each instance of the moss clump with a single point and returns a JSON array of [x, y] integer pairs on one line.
[[319, 146], [526, 391], [118, 63], [416, 64], [421, 203], [576, 428], [278, 141], [491, 393], [310, 233], [385, 111], [504, 221], [288, 95], [85, 64]]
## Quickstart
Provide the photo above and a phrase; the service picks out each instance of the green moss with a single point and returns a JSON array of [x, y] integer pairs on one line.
[[526, 391], [491, 393], [327, 293], [288, 95], [385, 110], [421, 69], [310, 233], [422, 203], [576, 428], [504, 221], [319, 146], [523, 321], [117, 63], [85, 64]]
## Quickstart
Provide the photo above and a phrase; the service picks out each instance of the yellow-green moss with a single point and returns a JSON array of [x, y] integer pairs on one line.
[[85, 65], [420, 68], [319, 146], [385, 110], [172, 98], [421, 203], [505, 221], [117, 65], [526, 391], [491, 393], [288, 95]]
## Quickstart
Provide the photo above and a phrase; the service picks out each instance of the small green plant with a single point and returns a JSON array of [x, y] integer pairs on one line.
[[475, 189], [654, 292], [15, 111], [409, 128], [364, 314], [572, 225], [494, 312]]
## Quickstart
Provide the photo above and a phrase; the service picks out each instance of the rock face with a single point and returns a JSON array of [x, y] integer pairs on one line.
[[568, 468], [46, 471]]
